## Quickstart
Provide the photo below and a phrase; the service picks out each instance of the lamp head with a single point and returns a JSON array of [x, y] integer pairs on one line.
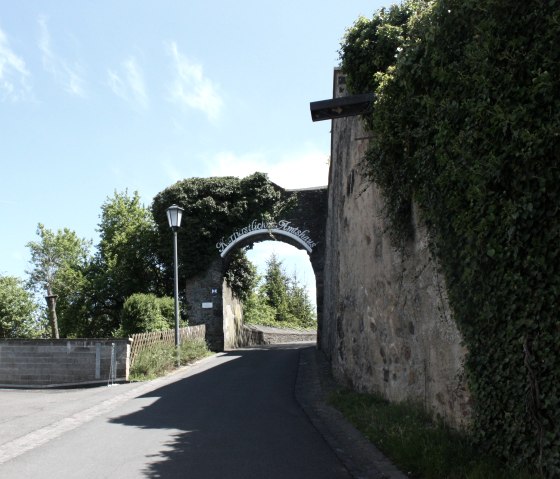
[[174, 216]]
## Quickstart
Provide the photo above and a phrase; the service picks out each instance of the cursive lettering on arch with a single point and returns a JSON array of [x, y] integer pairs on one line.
[[282, 227]]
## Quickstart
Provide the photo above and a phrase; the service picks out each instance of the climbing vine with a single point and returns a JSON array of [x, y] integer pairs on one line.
[[466, 124], [214, 208]]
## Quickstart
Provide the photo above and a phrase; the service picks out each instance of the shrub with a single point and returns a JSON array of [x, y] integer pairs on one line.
[[143, 313]]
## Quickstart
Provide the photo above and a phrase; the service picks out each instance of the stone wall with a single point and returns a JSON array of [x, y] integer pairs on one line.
[[205, 304], [250, 335], [233, 318], [387, 326], [62, 362]]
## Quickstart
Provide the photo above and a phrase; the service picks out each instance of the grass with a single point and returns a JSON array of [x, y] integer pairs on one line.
[[161, 359], [418, 445]]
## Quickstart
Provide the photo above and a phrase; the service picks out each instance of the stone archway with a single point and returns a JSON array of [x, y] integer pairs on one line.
[[211, 302]]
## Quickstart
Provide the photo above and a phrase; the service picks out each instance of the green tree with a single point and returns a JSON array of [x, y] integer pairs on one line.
[[241, 275], [59, 260], [19, 316], [126, 260], [144, 313], [299, 304], [257, 311], [275, 288], [279, 299], [125, 263]]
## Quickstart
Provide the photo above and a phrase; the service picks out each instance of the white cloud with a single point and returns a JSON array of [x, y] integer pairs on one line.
[[13, 72], [130, 85], [70, 77], [300, 169], [191, 88]]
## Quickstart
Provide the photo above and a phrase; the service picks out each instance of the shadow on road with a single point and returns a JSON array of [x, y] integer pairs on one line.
[[237, 420]]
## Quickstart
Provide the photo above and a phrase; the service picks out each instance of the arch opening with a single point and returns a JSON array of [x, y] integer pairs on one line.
[[297, 269]]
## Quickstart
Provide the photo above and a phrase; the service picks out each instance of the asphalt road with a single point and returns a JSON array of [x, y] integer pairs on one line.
[[230, 416]]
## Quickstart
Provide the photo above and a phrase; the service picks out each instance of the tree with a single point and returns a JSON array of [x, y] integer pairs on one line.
[[280, 299], [275, 287], [299, 304], [144, 313], [58, 261], [241, 275], [18, 313], [257, 311], [126, 261]]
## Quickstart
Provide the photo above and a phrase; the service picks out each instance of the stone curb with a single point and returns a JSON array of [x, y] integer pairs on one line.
[[362, 459]]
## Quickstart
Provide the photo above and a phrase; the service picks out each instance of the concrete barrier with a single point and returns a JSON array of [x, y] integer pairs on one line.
[[40, 363]]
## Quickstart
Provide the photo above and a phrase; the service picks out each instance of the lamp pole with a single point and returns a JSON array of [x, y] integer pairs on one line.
[[176, 286], [174, 216]]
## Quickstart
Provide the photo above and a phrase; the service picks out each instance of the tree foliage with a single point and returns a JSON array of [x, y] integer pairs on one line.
[[126, 258], [299, 304], [241, 274], [275, 287], [466, 125], [19, 315], [125, 263], [134, 254], [59, 260], [214, 208], [280, 300], [143, 313]]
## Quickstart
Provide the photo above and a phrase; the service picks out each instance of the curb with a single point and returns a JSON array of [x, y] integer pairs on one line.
[[313, 384]]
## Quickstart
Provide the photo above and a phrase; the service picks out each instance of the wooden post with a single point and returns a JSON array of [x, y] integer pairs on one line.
[[51, 304]]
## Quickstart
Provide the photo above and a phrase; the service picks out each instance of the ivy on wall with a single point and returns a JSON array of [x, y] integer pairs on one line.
[[214, 208], [467, 125]]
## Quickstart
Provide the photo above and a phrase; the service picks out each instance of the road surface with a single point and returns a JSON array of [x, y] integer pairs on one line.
[[230, 416]]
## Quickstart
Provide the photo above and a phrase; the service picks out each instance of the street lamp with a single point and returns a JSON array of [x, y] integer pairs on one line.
[[174, 216]]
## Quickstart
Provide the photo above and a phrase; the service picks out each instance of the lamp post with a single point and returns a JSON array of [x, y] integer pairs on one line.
[[174, 216]]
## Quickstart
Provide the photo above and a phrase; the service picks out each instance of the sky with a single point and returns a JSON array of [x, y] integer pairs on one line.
[[103, 96]]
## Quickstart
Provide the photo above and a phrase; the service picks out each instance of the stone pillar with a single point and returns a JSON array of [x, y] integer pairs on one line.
[[204, 303]]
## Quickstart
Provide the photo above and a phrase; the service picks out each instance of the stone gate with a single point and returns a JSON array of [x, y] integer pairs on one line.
[[210, 301]]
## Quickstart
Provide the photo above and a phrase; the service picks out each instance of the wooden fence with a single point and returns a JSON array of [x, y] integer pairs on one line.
[[142, 341]]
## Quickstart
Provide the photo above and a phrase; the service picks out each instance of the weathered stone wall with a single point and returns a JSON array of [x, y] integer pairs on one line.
[[250, 335], [59, 362], [205, 305], [233, 318], [387, 326]]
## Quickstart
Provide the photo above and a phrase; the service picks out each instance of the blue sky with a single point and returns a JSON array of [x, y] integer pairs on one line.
[[102, 96]]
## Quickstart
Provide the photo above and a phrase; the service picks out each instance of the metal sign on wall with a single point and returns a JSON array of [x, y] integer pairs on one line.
[[281, 227]]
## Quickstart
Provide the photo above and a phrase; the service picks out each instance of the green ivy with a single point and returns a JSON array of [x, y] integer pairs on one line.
[[214, 208], [466, 124]]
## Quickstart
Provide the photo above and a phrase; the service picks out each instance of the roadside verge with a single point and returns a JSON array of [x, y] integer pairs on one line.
[[313, 385]]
